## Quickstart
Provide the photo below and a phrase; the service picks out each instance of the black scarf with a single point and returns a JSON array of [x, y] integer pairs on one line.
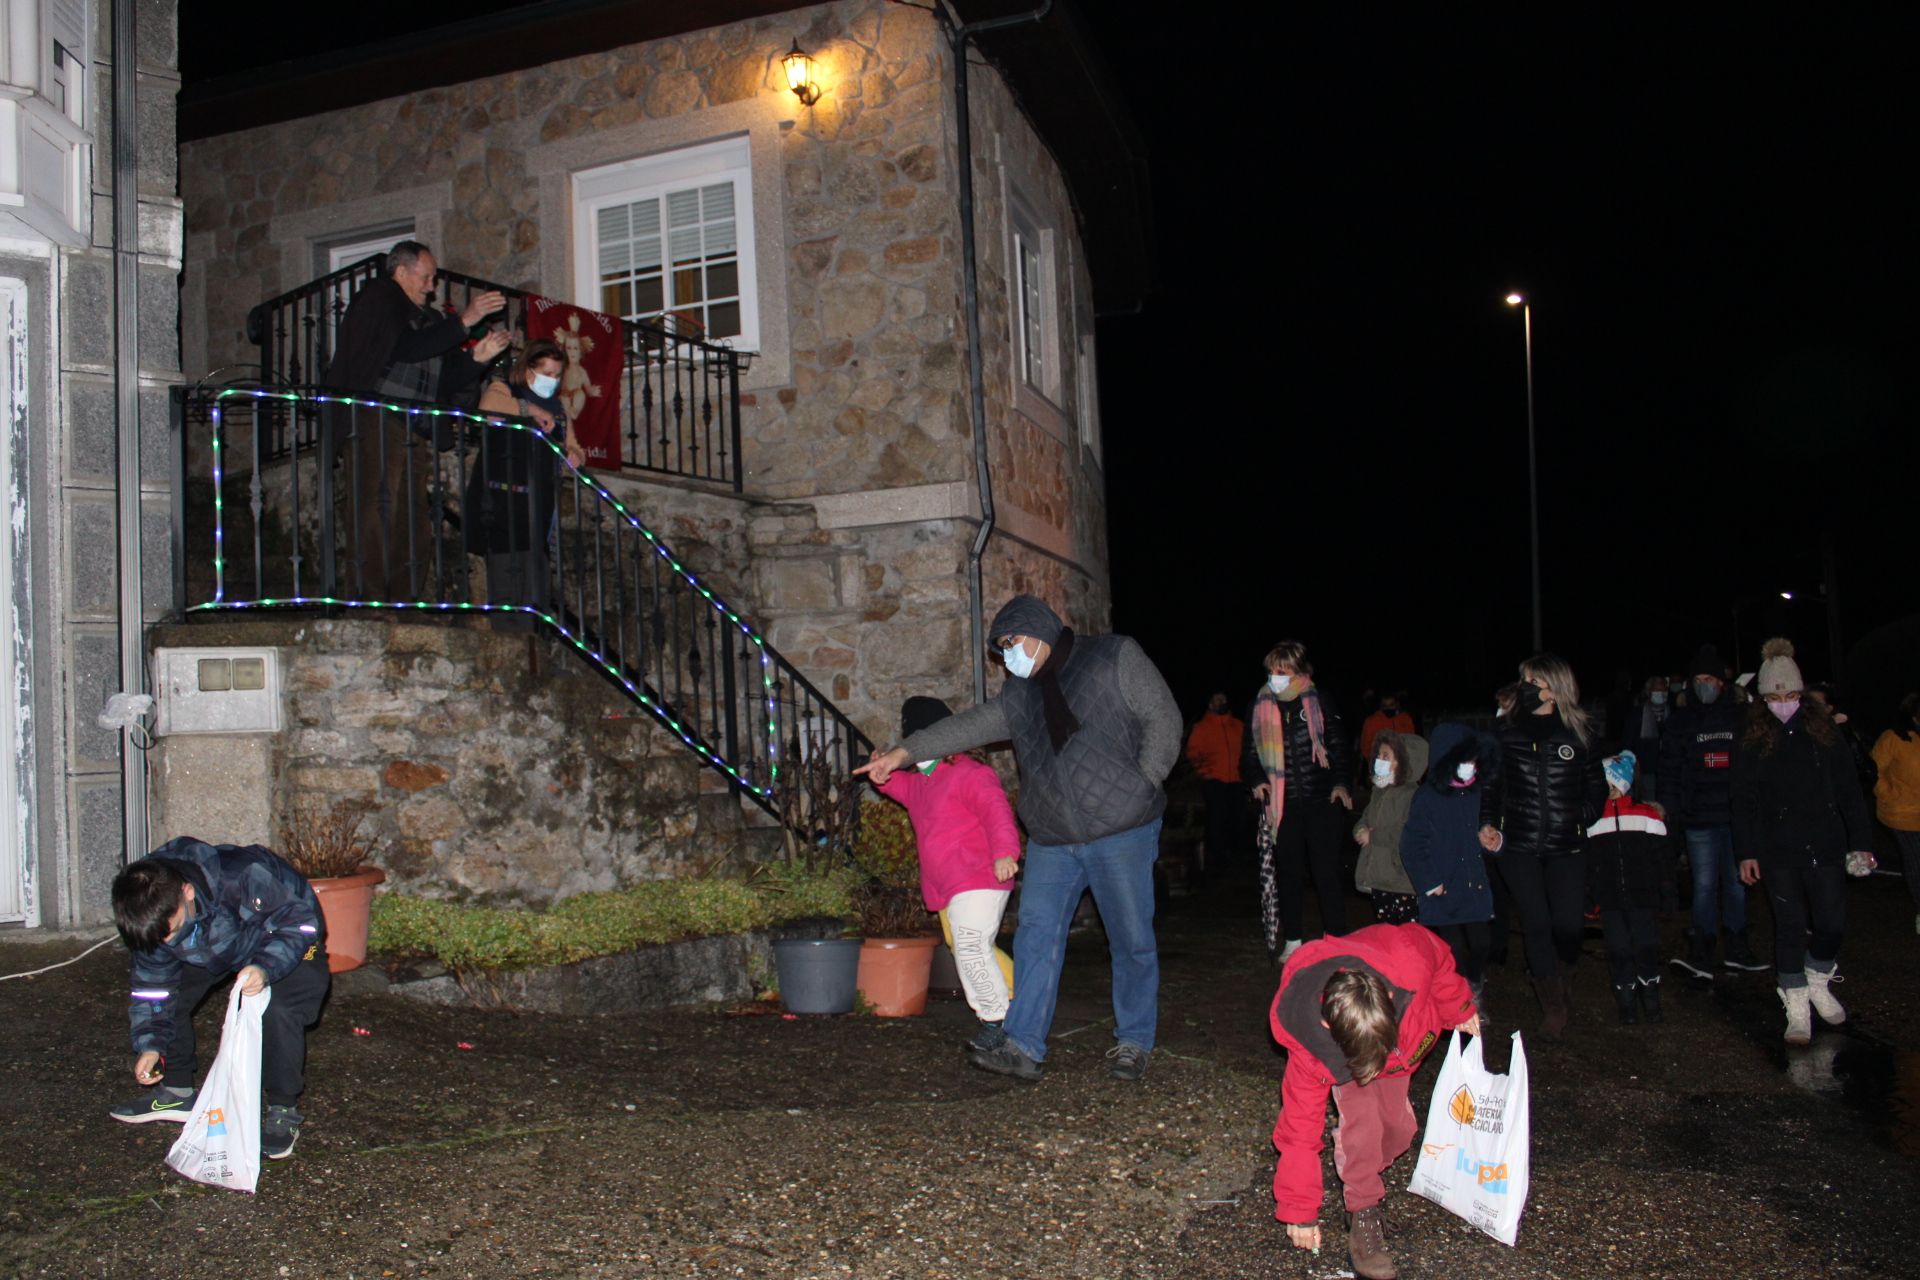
[[1062, 724]]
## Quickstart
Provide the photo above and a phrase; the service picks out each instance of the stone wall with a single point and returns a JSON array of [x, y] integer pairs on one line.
[[491, 767]]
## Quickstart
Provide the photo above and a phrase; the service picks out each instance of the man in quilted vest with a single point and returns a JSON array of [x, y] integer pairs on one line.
[[1095, 730]]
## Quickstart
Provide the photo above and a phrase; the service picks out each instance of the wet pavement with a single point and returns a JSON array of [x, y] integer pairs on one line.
[[740, 1143]]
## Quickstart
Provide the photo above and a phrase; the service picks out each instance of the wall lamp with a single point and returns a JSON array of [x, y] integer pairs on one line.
[[799, 65]]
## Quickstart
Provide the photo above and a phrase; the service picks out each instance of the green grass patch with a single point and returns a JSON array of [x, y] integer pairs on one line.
[[468, 938]]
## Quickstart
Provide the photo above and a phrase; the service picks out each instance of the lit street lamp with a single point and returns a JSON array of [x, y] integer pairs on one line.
[[1533, 467]]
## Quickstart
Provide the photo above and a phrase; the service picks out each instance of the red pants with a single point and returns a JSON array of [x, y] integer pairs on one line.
[[1376, 1128]]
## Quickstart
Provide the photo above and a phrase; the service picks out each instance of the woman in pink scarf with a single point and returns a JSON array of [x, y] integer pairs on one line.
[[1297, 759]]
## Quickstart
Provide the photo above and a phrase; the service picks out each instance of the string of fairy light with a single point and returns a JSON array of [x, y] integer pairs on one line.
[[659, 710]]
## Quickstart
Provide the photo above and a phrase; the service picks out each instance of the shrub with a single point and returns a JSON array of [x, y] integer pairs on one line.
[[465, 937], [322, 844]]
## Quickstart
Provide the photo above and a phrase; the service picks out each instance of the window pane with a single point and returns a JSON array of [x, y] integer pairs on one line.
[[617, 299], [723, 280], [686, 287], [647, 298], [723, 320], [686, 246]]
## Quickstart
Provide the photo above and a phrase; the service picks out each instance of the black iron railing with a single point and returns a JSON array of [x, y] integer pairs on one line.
[[438, 512], [679, 402]]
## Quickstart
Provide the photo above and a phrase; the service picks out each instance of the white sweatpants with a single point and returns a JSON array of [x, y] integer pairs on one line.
[[972, 922]]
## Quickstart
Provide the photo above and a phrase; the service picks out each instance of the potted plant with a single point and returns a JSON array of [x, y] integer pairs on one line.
[[896, 958], [331, 851]]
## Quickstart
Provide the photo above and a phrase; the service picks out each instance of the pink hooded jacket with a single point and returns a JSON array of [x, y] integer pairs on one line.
[[961, 821]]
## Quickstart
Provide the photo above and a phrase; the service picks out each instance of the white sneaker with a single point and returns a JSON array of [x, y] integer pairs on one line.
[[1293, 945], [1799, 1019], [1823, 1002]]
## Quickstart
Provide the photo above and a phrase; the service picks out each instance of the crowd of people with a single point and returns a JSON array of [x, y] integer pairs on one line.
[[1533, 825]]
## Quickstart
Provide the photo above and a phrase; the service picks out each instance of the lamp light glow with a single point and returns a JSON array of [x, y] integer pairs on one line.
[[1516, 299], [799, 68]]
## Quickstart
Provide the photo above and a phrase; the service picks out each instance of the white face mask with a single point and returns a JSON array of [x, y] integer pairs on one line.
[[544, 385], [1383, 773], [1278, 683], [1019, 661], [1466, 771]]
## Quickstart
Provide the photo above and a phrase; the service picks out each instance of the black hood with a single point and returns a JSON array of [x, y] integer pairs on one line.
[[1454, 744], [1026, 616]]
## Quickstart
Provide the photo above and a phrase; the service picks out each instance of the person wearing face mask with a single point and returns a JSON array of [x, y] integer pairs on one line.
[[1535, 816], [1644, 731], [1441, 852], [1896, 791], [1095, 731], [1214, 749], [1390, 714], [510, 493], [1399, 762], [1296, 761], [1696, 768], [1799, 826]]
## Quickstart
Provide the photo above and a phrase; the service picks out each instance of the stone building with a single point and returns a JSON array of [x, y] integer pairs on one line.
[[517, 146], [90, 244]]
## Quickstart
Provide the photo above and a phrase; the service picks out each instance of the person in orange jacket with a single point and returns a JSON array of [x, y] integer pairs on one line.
[[1388, 715], [1896, 793], [1214, 750]]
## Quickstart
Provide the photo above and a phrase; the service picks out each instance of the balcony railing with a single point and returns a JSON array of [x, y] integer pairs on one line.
[[436, 512], [679, 403]]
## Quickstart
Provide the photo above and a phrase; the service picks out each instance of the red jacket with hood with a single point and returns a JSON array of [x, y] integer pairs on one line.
[[1431, 999]]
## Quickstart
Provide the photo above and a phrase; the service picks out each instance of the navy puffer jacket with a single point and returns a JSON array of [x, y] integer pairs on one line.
[[1441, 844]]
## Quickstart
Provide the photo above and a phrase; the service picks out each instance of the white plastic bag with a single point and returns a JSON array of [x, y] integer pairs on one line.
[[1474, 1155], [221, 1145]]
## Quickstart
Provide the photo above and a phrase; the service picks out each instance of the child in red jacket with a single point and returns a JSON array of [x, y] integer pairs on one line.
[[1356, 1014], [969, 848]]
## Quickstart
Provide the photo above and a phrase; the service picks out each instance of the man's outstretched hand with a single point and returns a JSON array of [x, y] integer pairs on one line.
[[881, 764]]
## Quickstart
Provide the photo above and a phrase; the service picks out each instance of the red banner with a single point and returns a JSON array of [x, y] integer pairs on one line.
[[590, 385]]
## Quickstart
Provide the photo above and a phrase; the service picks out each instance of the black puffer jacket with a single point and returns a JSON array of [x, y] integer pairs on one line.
[[1549, 790], [1796, 799], [1305, 779]]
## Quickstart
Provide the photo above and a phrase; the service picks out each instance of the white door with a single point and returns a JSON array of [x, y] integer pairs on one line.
[[17, 901]]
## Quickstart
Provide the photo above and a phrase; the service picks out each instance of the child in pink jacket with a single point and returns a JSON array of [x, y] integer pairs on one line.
[[969, 850]]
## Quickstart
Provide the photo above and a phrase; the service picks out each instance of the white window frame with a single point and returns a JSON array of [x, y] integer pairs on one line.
[[1033, 295], [1087, 371], [652, 177], [344, 253]]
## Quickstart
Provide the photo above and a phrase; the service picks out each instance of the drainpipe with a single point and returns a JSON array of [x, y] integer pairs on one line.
[[958, 36], [126, 382]]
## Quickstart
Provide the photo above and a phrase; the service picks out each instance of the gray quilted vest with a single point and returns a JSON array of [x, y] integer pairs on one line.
[[1093, 787]]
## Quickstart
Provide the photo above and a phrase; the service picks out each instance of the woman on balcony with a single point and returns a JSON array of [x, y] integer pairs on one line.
[[510, 507]]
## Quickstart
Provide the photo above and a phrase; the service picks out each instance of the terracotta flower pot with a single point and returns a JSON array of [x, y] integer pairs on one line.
[[346, 904], [894, 973]]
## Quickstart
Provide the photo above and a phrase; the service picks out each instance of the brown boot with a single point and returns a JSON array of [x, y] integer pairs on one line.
[[1367, 1245], [1553, 1006]]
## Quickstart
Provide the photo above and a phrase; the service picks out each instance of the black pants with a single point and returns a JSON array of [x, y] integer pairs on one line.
[[1809, 914], [283, 1040], [1633, 944], [1470, 943], [1310, 837], [1226, 801], [1550, 898]]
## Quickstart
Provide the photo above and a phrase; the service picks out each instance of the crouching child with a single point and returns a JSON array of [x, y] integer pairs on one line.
[[1356, 1015], [194, 914]]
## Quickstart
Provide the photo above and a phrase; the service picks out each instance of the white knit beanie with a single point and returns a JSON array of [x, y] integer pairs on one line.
[[1778, 671]]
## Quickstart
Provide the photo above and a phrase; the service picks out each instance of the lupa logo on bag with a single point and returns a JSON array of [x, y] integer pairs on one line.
[[1491, 1178]]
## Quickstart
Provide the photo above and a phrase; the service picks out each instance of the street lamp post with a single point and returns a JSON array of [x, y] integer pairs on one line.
[[1533, 466]]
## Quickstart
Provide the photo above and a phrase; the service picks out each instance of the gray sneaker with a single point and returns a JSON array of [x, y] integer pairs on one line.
[[1006, 1059], [157, 1103], [279, 1130], [1129, 1061]]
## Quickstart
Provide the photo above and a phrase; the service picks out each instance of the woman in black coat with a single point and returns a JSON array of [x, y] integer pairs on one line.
[[1535, 815], [1798, 814]]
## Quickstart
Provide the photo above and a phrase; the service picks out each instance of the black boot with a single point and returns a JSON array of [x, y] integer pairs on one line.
[[1624, 1001], [1698, 962], [1650, 999]]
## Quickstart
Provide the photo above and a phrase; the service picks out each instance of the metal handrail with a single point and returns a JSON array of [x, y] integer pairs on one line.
[[680, 402], [607, 584]]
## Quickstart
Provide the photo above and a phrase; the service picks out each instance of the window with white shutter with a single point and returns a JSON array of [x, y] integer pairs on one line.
[[669, 239]]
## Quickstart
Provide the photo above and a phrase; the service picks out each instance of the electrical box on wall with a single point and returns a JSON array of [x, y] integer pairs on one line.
[[217, 691]]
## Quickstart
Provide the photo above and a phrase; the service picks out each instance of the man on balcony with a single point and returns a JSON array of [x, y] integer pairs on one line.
[[391, 343], [1095, 731]]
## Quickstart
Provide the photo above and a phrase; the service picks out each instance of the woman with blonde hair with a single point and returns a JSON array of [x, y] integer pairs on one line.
[[1535, 815]]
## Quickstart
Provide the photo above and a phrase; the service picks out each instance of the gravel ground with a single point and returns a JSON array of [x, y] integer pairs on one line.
[[710, 1142]]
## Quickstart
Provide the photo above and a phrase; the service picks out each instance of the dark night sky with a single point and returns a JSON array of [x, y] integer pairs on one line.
[[1317, 427]]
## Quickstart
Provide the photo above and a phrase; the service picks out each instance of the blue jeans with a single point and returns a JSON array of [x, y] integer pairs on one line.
[[1718, 896], [1119, 870]]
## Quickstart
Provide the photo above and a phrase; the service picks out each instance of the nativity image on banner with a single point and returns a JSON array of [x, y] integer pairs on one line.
[[595, 346]]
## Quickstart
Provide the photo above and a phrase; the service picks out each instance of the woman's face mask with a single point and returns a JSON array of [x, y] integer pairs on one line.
[[1783, 711], [544, 385], [1278, 682], [1658, 697]]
